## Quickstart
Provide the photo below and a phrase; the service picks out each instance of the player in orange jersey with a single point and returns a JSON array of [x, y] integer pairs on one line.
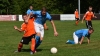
[[29, 33], [76, 17], [88, 17]]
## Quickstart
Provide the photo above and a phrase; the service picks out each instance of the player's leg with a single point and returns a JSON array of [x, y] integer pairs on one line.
[[87, 24], [38, 34], [20, 45], [90, 24], [77, 21], [23, 41], [38, 41], [45, 26], [75, 38], [33, 43]]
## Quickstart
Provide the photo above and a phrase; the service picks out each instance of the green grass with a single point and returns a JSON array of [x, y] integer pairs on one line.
[[9, 39]]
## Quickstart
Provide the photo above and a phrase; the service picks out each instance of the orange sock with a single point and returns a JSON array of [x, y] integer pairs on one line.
[[20, 46], [33, 44]]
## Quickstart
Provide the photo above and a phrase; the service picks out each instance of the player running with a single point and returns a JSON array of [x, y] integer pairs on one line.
[[29, 33], [88, 17], [79, 36], [30, 10], [76, 17], [41, 17]]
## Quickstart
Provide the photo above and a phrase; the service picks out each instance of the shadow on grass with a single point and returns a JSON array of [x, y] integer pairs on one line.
[[28, 50]]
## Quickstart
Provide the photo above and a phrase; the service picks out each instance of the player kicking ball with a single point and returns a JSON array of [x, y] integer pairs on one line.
[[79, 36], [29, 33], [40, 20]]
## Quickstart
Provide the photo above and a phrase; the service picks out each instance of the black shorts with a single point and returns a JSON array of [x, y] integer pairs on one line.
[[26, 40], [77, 19], [88, 24]]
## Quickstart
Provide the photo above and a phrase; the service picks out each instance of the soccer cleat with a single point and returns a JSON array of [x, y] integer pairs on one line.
[[31, 53], [67, 41], [16, 51], [35, 51]]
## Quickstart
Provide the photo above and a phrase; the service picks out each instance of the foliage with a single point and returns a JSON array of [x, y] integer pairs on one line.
[[53, 6]]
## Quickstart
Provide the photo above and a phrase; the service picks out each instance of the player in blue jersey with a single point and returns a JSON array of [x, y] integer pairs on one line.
[[30, 10], [79, 36], [41, 17]]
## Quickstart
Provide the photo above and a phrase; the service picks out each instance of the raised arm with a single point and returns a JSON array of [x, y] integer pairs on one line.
[[28, 17]]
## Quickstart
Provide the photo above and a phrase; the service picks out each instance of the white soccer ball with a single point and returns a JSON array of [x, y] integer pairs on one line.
[[53, 50]]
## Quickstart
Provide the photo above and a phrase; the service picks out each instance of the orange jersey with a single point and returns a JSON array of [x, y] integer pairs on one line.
[[76, 14], [88, 16], [28, 28]]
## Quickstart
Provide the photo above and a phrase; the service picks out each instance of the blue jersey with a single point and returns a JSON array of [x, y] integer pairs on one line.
[[40, 19], [29, 11], [82, 33]]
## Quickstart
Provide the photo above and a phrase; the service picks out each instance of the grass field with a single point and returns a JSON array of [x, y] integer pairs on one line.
[[9, 39]]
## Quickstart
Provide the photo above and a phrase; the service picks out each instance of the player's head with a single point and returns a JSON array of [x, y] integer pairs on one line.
[[43, 11], [90, 8], [91, 30], [76, 9], [24, 16], [31, 7]]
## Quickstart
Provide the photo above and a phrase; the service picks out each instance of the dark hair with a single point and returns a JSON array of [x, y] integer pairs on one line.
[[91, 28], [23, 15], [90, 6], [43, 9]]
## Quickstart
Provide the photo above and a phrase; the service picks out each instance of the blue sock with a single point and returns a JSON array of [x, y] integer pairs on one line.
[[38, 42], [70, 42]]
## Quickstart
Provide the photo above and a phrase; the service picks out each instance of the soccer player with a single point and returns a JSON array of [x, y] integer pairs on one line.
[[76, 17], [88, 17], [29, 33], [30, 10], [79, 36], [41, 18]]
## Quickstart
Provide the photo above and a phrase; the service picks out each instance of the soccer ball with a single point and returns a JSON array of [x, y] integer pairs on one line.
[[53, 50]]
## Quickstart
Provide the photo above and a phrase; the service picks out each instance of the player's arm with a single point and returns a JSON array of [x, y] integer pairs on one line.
[[94, 16], [81, 40], [55, 31], [16, 28], [53, 25], [88, 39], [75, 14], [83, 19], [28, 17]]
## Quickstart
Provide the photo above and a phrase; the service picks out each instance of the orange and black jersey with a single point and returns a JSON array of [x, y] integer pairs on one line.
[[28, 28], [76, 14], [88, 15]]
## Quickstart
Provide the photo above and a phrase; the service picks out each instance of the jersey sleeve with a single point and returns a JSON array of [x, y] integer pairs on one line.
[[48, 16], [84, 34], [23, 27], [28, 12]]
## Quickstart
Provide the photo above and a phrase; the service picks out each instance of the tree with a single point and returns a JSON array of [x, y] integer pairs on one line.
[[4, 5]]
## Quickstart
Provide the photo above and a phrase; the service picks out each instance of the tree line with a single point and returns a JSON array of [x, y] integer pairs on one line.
[[53, 6]]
